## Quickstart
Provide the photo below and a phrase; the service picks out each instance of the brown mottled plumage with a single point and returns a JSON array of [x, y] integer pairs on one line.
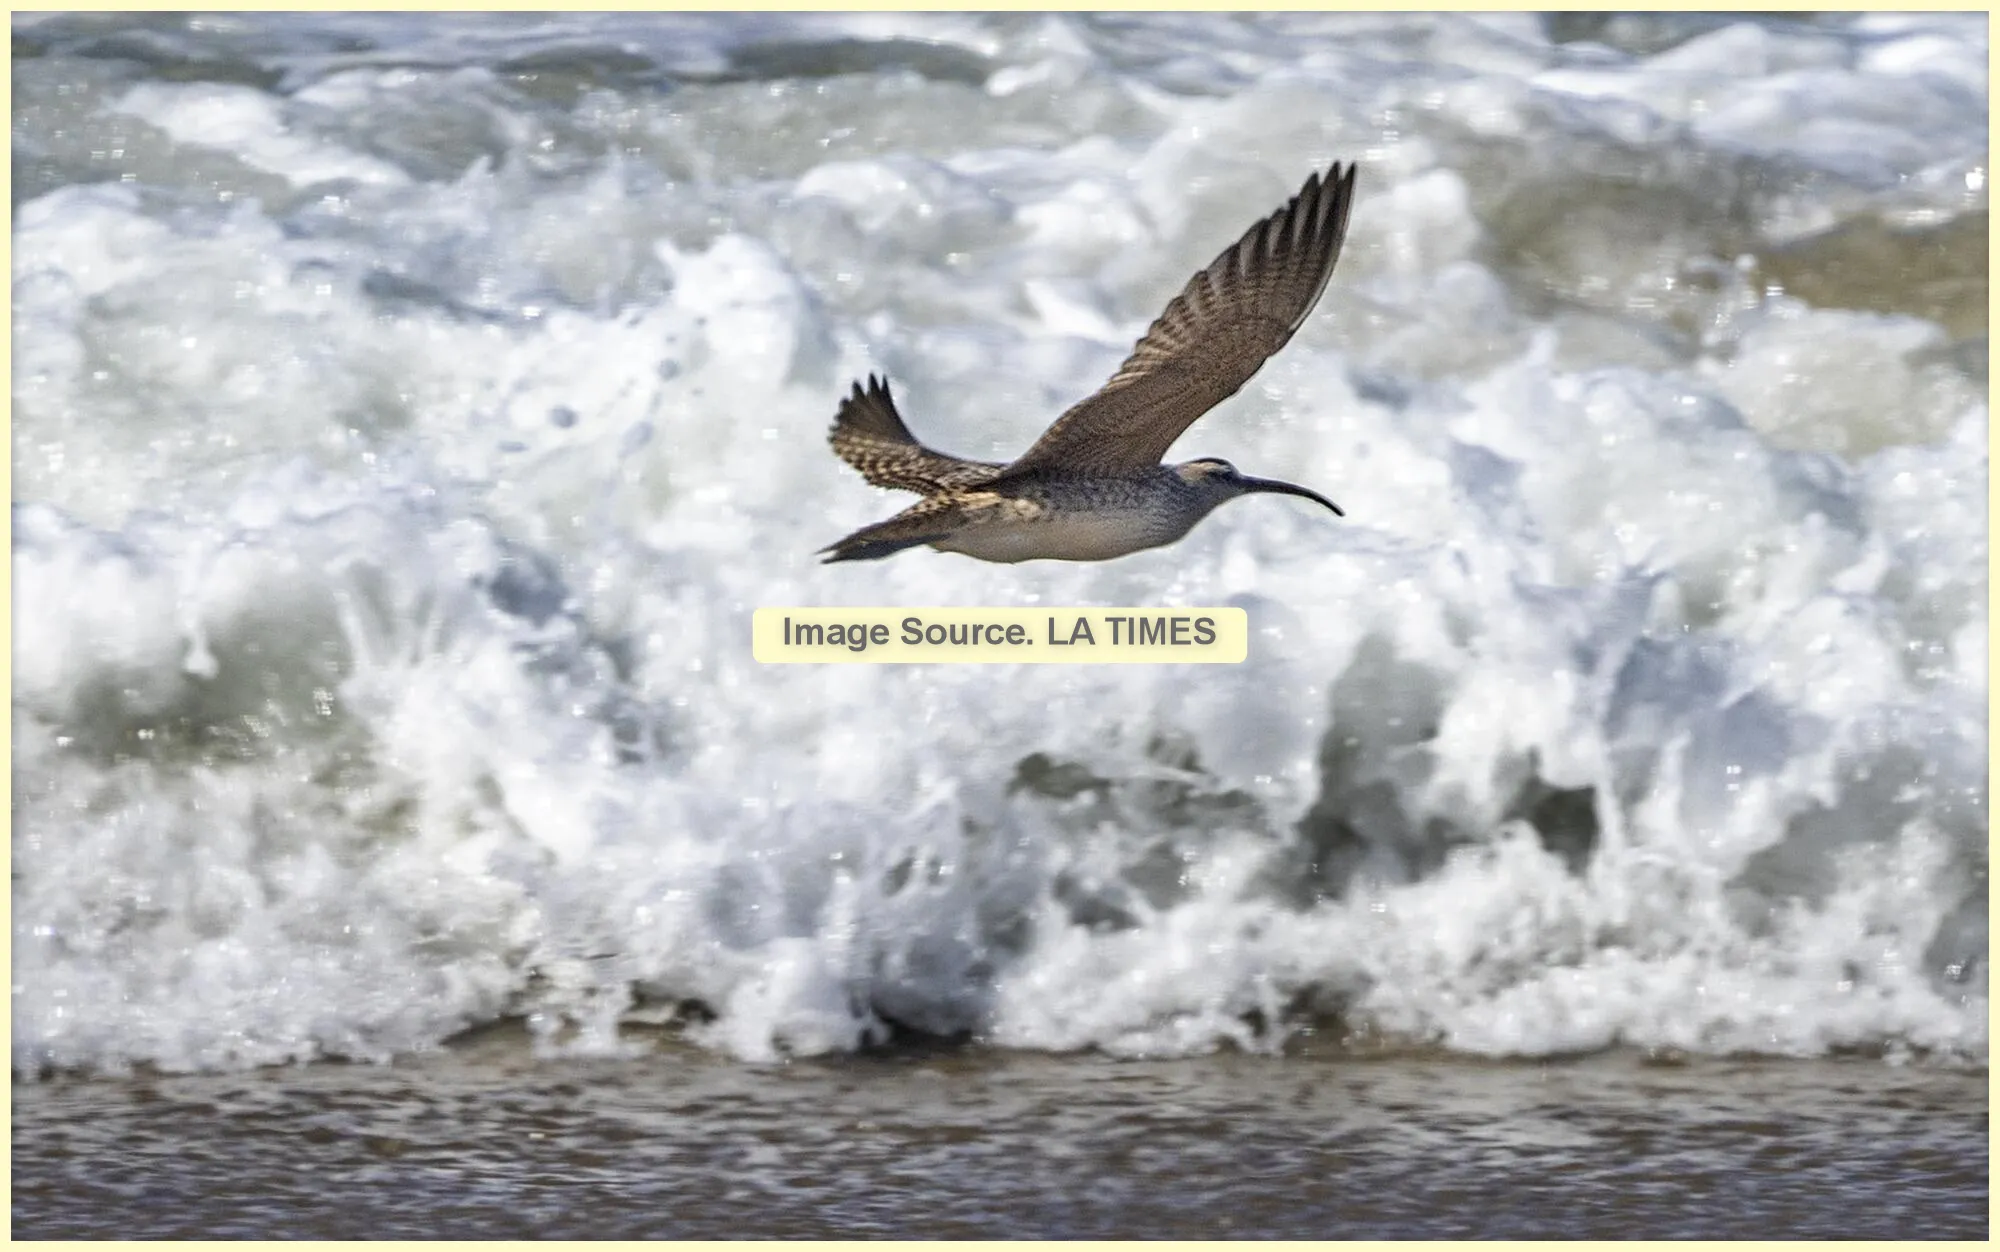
[[869, 434], [1092, 487]]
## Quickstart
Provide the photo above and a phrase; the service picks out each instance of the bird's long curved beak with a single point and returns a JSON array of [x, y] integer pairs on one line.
[[1275, 487]]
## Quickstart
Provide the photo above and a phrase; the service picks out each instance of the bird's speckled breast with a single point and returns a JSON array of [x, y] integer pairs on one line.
[[1084, 518]]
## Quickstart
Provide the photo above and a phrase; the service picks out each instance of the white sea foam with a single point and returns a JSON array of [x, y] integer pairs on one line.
[[401, 450]]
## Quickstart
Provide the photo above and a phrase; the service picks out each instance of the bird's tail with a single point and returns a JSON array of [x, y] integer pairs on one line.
[[860, 547], [922, 522]]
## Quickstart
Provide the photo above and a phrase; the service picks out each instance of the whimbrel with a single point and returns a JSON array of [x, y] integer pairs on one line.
[[1092, 487]]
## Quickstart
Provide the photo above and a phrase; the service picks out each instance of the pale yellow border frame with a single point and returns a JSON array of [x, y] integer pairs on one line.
[[7, 474]]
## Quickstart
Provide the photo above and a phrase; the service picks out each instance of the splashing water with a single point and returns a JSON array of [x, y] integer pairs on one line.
[[410, 411]]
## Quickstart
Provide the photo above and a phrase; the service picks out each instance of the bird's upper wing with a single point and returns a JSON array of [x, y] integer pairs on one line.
[[1212, 338], [869, 434]]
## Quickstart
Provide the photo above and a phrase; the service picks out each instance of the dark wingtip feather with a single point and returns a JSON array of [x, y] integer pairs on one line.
[[871, 410]]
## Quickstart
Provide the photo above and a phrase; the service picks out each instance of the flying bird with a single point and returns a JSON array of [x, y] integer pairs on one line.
[[1092, 487]]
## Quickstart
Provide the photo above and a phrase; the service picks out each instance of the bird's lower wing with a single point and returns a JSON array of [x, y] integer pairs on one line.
[[1212, 338], [870, 435]]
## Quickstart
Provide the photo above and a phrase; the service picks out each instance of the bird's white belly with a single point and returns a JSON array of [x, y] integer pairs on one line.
[[1086, 536]]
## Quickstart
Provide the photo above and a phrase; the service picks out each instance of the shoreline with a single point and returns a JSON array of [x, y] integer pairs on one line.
[[484, 1139]]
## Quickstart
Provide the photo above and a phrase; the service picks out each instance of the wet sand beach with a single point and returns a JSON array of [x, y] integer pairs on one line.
[[483, 1141]]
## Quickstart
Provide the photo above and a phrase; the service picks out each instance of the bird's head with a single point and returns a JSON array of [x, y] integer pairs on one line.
[[1217, 478]]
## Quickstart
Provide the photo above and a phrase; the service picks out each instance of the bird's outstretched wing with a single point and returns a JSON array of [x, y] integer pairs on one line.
[[1213, 336], [869, 434]]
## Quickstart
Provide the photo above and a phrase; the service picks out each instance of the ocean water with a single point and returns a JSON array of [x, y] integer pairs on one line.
[[410, 410]]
